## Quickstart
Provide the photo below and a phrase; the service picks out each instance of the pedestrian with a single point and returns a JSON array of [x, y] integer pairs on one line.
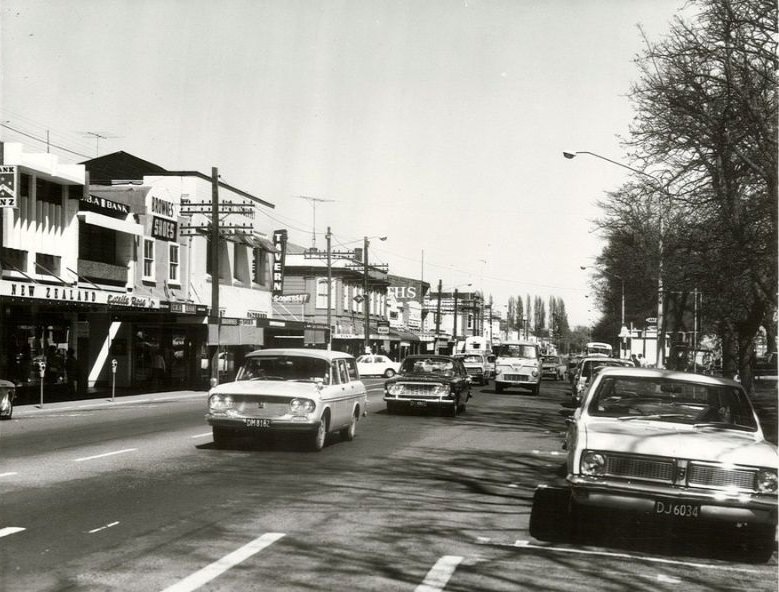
[[71, 372], [635, 361], [641, 361], [158, 369]]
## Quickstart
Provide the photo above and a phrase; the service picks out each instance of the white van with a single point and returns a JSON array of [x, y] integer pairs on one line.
[[518, 363]]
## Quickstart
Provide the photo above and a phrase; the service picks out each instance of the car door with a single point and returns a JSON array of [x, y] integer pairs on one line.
[[358, 388], [343, 404]]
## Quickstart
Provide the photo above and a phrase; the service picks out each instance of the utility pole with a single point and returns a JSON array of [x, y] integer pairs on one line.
[[454, 330], [366, 299], [329, 292], [215, 271], [438, 312]]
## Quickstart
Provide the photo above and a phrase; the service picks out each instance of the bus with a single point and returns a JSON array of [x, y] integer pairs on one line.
[[596, 348]]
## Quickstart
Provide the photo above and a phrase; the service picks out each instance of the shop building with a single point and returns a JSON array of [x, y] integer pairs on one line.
[[407, 315]]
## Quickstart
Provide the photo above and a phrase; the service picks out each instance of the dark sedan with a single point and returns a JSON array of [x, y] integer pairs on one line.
[[429, 381]]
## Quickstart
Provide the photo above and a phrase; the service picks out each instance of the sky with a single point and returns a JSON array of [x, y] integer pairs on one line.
[[439, 124]]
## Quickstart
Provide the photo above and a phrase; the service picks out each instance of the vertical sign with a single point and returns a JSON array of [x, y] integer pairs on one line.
[[280, 243], [8, 183]]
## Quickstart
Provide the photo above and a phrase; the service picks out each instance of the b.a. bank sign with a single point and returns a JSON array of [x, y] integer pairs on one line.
[[68, 294]]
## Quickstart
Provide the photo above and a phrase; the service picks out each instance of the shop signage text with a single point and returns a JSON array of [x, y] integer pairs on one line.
[[163, 229], [291, 298], [162, 207], [280, 244], [8, 184], [101, 205], [127, 300], [68, 294]]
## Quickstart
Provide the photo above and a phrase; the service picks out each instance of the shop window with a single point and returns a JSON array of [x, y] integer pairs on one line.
[[321, 293], [48, 264], [25, 182], [14, 259], [96, 243], [173, 264], [346, 292], [240, 262], [148, 259]]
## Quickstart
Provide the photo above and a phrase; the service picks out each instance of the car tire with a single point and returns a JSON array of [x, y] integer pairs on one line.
[[455, 408], [498, 387], [392, 407], [223, 437], [761, 545], [550, 516], [536, 389], [389, 373], [348, 433], [320, 435]]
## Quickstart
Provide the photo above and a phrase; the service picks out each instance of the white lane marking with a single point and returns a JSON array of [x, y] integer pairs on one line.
[[203, 435], [10, 530], [668, 579], [529, 545], [94, 530], [209, 572], [438, 576], [126, 450], [8, 474]]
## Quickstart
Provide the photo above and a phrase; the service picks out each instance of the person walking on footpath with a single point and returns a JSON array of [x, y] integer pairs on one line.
[[158, 369], [635, 361]]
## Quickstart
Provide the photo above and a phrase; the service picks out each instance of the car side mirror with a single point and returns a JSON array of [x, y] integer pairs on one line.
[[567, 413]]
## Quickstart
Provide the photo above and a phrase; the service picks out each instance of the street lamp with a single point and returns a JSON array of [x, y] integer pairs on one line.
[[660, 360], [367, 301], [623, 329]]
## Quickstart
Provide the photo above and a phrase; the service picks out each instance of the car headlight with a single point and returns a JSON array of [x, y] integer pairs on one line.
[[441, 389], [395, 389], [535, 372], [592, 463], [220, 403], [766, 481], [301, 406]]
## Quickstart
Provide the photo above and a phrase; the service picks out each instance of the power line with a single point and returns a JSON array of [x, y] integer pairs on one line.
[[43, 141]]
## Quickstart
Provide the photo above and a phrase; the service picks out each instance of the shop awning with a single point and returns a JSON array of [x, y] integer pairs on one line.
[[125, 226], [407, 336], [254, 241], [236, 335]]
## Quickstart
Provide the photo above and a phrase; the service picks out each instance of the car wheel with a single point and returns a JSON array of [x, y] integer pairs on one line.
[[455, 408], [498, 387], [350, 431], [761, 545], [8, 412], [318, 439], [536, 389], [223, 438], [392, 407], [389, 373]]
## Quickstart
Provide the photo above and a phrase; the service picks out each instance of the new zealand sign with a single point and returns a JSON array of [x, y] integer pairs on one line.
[[8, 184]]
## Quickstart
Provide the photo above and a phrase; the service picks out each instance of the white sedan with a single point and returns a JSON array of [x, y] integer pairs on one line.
[[377, 365]]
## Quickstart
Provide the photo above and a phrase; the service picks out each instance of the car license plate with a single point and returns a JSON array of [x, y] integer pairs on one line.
[[677, 509], [253, 422], [418, 403]]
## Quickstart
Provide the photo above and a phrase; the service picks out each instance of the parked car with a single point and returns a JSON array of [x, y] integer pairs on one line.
[[682, 451], [477, 366], [586, 370], [554, 367], [429, 381], [377, 365], [301, 391], [7, 396]]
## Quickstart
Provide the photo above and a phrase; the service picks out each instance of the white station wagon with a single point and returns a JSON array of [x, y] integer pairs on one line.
[[309, 392], [672, 448]]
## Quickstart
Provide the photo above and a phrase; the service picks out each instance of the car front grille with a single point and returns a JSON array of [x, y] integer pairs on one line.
[[517, 377], [681, 473], [260, 406], [474, 370], [418, 391], [715, 477]]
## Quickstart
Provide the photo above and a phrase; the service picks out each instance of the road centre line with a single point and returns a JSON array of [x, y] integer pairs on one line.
[[529, 545], [209, 572], [94, 530], [438, 576], [105, 454], [8, 474], [203, 435], [10, 530]]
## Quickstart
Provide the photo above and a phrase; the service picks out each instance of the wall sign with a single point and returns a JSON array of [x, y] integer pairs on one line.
[[101, 205], [280, 244], [163, 229], [9, 181], [292, 298]]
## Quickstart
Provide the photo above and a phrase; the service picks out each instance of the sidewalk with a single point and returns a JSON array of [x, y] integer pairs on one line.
[[103, 400]]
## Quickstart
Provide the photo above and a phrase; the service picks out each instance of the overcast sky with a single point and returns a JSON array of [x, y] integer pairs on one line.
[[438, 123]]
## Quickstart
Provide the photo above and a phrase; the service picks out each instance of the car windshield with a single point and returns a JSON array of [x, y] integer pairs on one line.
[[649, 398], [472, 359], [551, 360], [301, 368], [592, 367], [517, 351], [431, 366]]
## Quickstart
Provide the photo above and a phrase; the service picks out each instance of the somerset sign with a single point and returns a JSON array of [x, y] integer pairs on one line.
[[291, 298]]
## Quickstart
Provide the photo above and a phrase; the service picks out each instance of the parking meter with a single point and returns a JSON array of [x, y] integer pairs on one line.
[[114, 364], [41, 373]]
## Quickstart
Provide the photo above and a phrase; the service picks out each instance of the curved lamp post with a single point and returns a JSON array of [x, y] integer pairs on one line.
[[660, 360]]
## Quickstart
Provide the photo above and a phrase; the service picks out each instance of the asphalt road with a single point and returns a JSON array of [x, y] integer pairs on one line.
[[132, 495]]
